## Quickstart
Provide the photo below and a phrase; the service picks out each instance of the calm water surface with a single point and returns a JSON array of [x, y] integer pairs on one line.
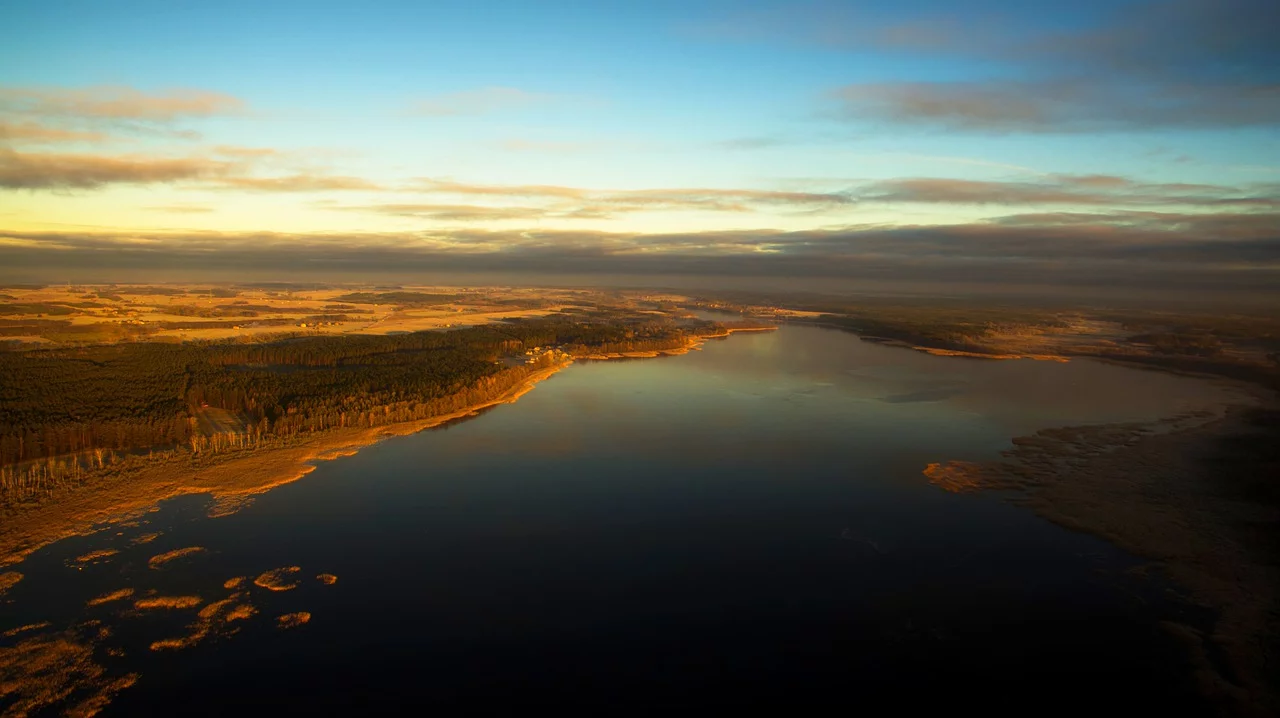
[[743, 526]]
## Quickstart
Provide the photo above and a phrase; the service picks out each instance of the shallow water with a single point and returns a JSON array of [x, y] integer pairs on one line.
[[742, 526]]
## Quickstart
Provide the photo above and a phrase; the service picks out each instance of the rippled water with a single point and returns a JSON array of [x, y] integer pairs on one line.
[[743, 526]]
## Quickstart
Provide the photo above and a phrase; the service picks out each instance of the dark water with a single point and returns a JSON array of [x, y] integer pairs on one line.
[[741, 527]]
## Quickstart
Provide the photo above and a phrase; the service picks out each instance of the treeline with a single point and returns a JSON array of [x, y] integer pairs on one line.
[[404, 298], [30, 327], [368, 411], [228, 323], [936, 335], [150, 291], [35, 479], [1199, 344], [138, 396], [110, 397], [226, 310], [628, 345], [36, 308]]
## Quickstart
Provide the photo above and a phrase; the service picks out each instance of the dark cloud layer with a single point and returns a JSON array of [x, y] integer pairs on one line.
[[1133, 248], [1074, 105], [1189, 64], [1077, 190]]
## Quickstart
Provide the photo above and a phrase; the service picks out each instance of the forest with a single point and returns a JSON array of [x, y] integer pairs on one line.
[[139, 396]]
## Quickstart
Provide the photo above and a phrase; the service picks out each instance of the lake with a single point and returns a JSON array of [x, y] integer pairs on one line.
[[745, 526]]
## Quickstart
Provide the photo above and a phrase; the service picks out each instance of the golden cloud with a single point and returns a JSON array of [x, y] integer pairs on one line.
[[38, 133], [77, 171], [117, 103]]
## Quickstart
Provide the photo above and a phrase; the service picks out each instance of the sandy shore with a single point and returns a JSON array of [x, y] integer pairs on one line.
[[1182, 493]]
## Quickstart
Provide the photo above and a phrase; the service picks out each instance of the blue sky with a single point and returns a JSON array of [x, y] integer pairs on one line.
[[410, 118]]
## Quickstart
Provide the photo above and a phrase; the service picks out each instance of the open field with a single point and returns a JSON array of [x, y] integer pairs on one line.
[[78, 314]]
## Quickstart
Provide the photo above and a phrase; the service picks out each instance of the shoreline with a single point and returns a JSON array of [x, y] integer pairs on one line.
[[694, 344], [233, 483], [935, 351], [1175, 493]]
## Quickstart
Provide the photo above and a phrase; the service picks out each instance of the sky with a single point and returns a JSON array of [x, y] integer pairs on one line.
[[1083, 144]]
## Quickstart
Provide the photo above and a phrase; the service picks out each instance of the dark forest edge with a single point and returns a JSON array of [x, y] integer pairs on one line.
[[74, 415]]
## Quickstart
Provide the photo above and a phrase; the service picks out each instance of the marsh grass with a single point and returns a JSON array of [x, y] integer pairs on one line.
[[278, 579], [293, 620], [56, 669], [110, 597], [160, 560], [167, 602], [8, 580], [96, 556]]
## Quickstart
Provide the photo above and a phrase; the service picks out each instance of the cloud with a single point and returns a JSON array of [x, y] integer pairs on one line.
[[32, 132], [182, 208], [574, 203], [1182, 64], [1060, 105], [1126, 248], [482, 101], [699, 196], [450, 212], [450, 187], [246, 152], [561, 202], [46, 115], [228, 169], [580, 203], [1080, 190], [296, 183], [733, 200], [117, 103], [1199, 41], [72, 171]]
